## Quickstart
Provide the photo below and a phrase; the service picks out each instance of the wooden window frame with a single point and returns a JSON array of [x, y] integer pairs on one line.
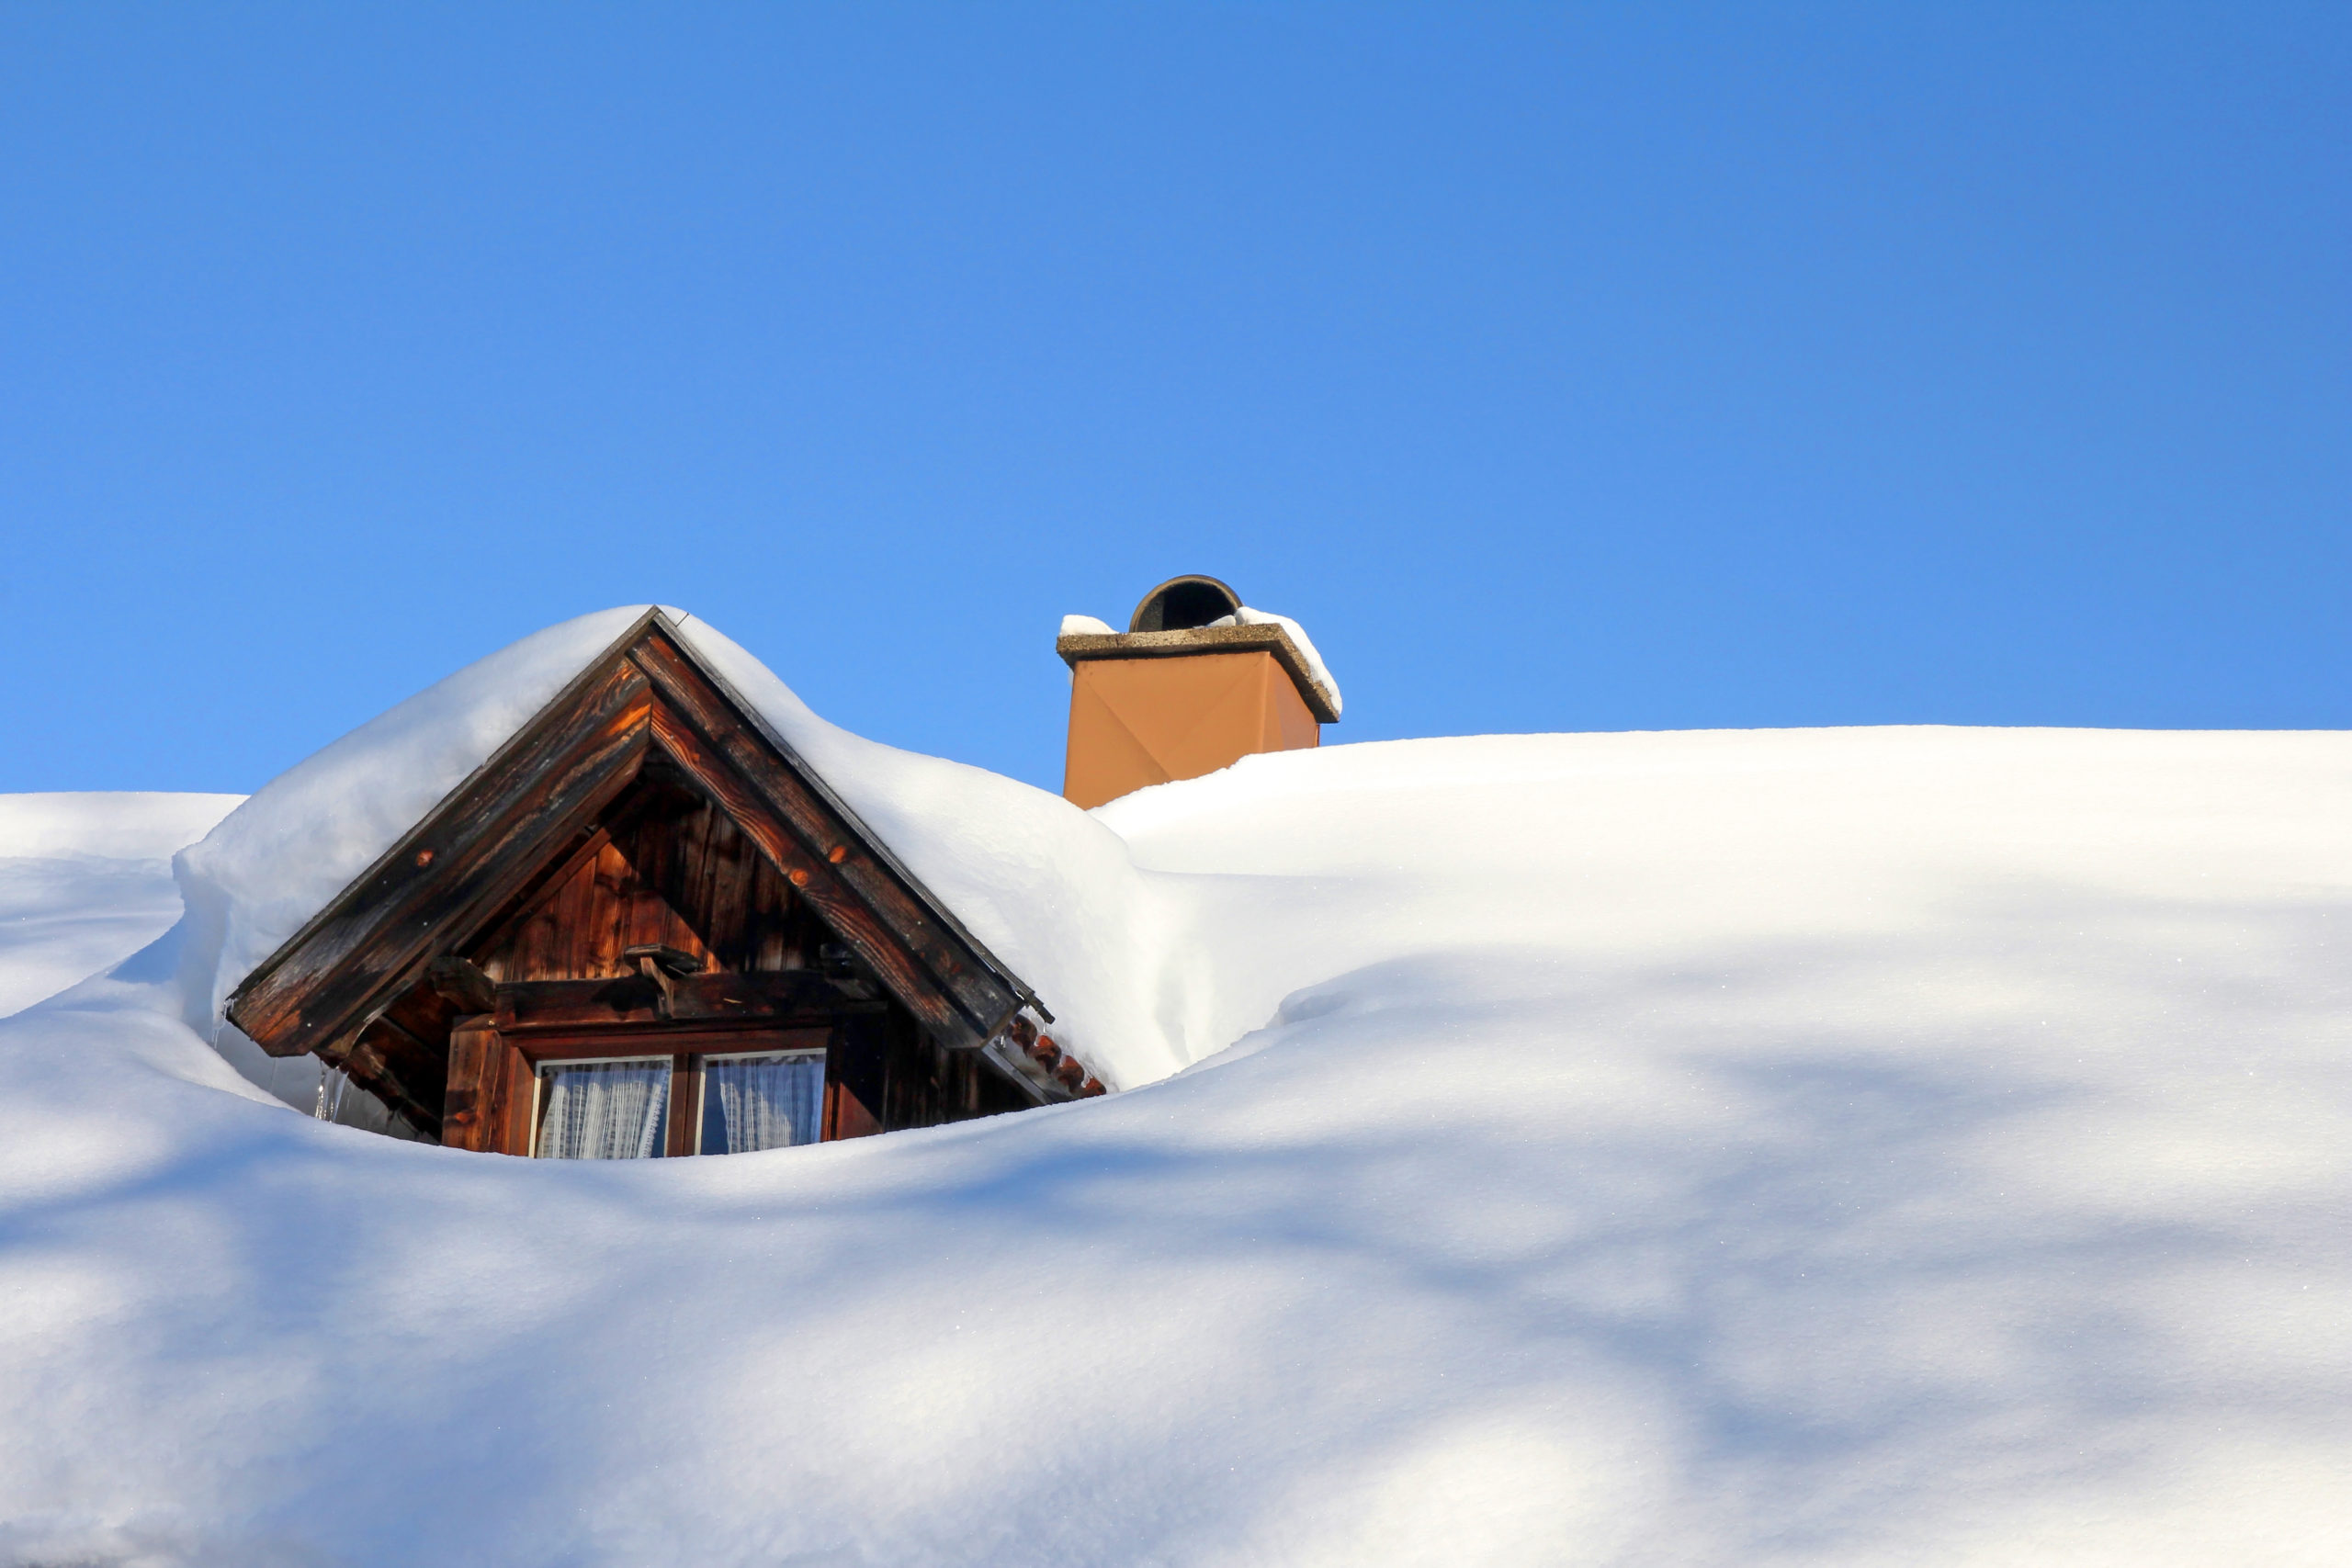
[[822, 1050], [520, 1055], [670, 1109]]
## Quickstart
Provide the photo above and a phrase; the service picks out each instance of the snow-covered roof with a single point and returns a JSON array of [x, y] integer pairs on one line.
[[1046, 888], [1841, 1147]]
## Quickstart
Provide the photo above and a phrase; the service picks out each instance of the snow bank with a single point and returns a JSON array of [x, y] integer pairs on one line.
[[1835, 1147], [85, 880]]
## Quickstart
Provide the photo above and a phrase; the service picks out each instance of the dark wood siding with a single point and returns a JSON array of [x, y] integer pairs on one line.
[[670, 870]]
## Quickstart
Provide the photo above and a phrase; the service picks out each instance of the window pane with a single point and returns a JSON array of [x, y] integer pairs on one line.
[[761, 1102], [604, 1110]]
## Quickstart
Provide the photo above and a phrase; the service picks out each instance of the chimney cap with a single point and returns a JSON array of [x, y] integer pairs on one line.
[[1080, 648], [1182, 604]]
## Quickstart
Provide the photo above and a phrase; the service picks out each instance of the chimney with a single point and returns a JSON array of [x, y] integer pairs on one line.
[[1176, 697]]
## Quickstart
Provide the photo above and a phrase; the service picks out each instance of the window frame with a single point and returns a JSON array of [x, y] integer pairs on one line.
[[822, 1054], [540, 1068], [686, 1047]]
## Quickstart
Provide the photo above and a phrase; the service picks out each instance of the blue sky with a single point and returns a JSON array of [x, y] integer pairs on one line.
[[1559, 369]]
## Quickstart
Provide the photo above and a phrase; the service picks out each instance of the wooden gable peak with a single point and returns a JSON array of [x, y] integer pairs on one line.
[[649, 696]]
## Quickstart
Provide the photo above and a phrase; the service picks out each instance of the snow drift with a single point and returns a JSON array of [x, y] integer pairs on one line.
[[85, 880], [1826, 1147]]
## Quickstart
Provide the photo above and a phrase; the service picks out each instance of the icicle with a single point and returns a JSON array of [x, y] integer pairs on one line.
[[331, 1083]]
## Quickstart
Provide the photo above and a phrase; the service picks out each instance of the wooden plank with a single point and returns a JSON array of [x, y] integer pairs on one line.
[[686, 1105], [474, 1069], [712, 998], [728, 996], [601, 930], [720, 888], [528, 948], [810, 877], [389, 1062], [736, 927], [852, 1084], [578, 1004], [644, 912], [964, 1074], [776, 920], [912, 1094], [368, 1064], [521, 942], [729, 862], [467, 854], [702, 1040], [462, 981], [688, 887], [841, 868], [670, 961], [517, 1104], [425, 1014]]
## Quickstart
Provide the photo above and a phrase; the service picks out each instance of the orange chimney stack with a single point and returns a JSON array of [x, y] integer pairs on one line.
[[1187, 689]]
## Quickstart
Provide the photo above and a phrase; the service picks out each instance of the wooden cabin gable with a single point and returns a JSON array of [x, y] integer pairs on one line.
[[645, 867], [667, 868]]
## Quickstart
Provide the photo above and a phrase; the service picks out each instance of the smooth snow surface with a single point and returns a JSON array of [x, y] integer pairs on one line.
[[1850, 1148], [85, 880]]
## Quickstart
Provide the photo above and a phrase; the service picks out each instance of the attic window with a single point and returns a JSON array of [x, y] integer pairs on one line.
[[603, 1109], [770, 1101], [732, 1103]]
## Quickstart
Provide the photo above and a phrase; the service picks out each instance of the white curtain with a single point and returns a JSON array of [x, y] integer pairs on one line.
[[605, 1111], [769, 1102]]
